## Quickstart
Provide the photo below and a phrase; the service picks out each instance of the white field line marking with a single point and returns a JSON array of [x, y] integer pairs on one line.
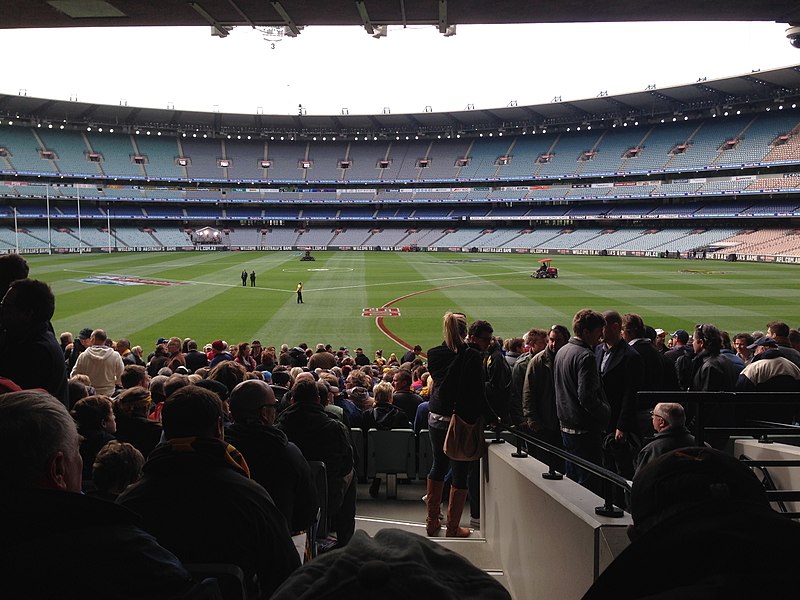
[[328, 289], [230, 285]]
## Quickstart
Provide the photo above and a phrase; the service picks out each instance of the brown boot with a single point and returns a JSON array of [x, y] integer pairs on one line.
[[434, 503], [454, 510]]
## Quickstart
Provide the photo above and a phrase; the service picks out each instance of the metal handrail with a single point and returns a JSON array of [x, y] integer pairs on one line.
[[610, 479]]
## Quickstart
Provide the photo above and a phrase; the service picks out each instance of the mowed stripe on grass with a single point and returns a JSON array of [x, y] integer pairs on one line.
[[212, 303]]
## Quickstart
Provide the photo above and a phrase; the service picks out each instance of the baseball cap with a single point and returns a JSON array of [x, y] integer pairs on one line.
[[764, 340], [85, 333], [218, 345], [682, 335], [161, 341], [660, 332]]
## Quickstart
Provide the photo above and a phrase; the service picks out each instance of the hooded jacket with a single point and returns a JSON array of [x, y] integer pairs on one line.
[[384, 416], [103, 366], [196, 498]]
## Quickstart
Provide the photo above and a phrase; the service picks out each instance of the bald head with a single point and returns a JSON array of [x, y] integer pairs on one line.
[[252, 401], [304, 376]]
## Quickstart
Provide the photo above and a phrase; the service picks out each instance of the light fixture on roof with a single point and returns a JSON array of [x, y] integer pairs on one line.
[[387, 110]]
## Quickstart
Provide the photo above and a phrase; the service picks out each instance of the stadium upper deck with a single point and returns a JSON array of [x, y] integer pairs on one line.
[[728, 142]]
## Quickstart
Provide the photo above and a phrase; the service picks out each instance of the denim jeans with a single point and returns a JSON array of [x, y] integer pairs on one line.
[[442, 463], [587, 446]]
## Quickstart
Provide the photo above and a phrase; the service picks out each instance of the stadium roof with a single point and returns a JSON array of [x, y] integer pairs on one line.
[[753, 91], [693, 100], [298, 13]]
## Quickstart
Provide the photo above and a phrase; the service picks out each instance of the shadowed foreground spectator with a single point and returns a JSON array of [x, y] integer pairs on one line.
[[701, 524], [57, 542], [196, 497]]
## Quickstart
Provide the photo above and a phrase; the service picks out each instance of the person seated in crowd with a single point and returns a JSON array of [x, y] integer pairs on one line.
[[96, 425], [228, 373], [351, 413], [197, 499], [76, 390], [274, 461], [132, 408], [669, 423], [359, 386], [57, 542], [281, 382], [134, 375], [403, 398], [320, 436], [101, 364], [326, 396], [321, 359], [244, 358], [219, 353], [158, 361], [116, 466], [384, 416], [694, 510], [29, 353]]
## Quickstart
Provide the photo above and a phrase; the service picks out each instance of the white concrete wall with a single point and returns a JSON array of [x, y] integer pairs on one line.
[[549, 541]]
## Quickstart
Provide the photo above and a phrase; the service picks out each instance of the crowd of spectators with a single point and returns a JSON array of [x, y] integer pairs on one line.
[[207, 450]]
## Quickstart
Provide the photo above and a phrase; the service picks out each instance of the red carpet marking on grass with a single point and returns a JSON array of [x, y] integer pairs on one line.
[[385, 330], [383, 311]]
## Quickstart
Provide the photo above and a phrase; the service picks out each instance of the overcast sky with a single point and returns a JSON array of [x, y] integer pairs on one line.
[[327, 69]]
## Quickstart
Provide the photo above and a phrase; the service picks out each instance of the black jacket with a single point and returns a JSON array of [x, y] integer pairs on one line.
[[141, 432], [320, 436], [580, 401], [197, 501], [663, 442], [460, 381], [622, 378], [66, 545], [407, 402], [279, 466], [195, 360], [32, 358], [384, 416]]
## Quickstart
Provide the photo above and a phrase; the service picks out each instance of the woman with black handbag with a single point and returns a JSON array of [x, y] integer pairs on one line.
[[457, 409]]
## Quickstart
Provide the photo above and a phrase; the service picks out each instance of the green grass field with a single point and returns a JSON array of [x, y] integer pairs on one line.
[[210, 303]]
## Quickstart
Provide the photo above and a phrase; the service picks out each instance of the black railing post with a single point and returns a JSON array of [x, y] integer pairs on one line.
[[522, 449], [608, 509], [552, 474]]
